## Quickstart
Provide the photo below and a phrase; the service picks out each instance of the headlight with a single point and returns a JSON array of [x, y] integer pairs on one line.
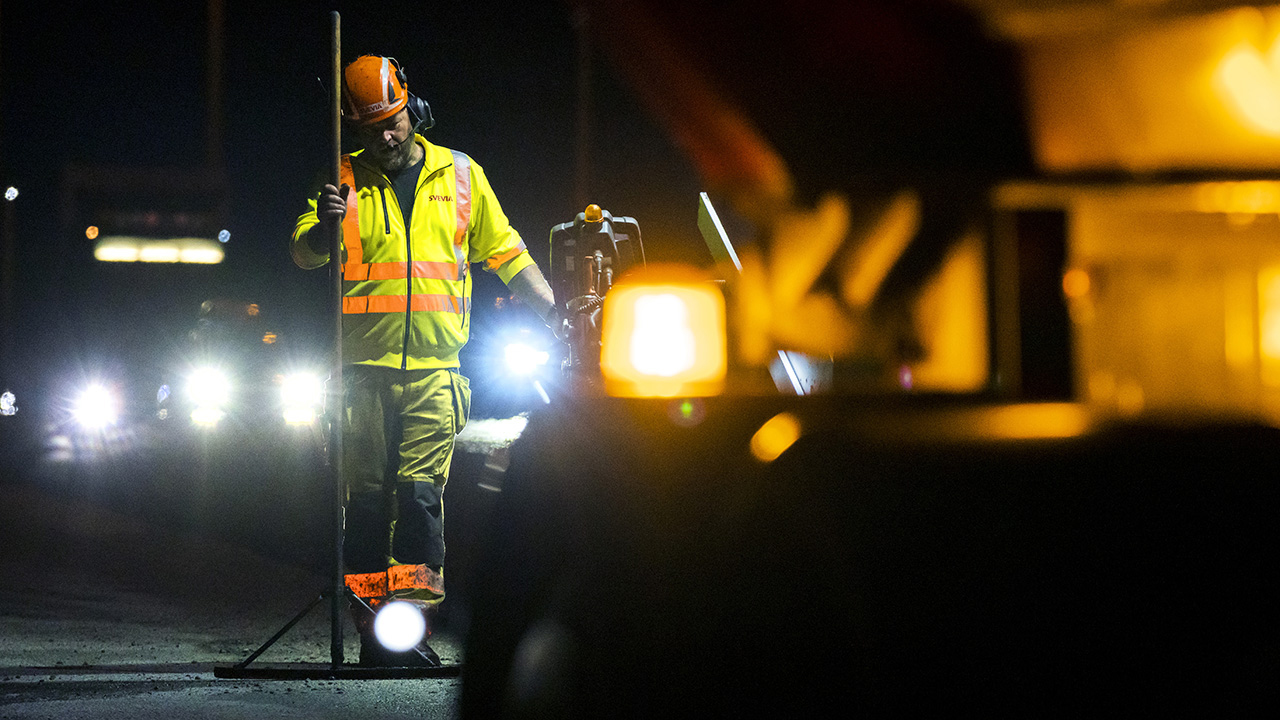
[[96, 407], [301, 395], [209, 390]]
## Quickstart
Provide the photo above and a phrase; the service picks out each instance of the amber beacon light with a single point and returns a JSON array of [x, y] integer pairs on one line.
[[664, 336]]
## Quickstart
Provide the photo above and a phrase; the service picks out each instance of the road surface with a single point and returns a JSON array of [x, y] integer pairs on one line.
[[128, 577]]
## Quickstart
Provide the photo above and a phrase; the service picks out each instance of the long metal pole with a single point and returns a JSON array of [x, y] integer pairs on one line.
[[8, 278], [8, 295], [337, 592]]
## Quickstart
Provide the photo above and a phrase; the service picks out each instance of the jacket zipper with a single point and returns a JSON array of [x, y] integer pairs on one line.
[[408, 274], [386, 217], [408, 297]]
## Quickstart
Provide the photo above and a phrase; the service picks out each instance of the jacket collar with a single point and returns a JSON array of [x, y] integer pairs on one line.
[[436, 158]]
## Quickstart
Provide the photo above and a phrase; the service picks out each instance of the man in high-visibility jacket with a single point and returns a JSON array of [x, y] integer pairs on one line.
[[413, 217]]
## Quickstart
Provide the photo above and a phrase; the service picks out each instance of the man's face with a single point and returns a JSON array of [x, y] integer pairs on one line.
[[389, 142]]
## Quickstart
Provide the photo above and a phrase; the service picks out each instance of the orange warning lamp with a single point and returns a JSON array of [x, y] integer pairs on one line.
[[664, 335]]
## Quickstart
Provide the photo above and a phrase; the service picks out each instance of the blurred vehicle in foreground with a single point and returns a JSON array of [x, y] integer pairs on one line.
[[1041, 477], [795, 555]]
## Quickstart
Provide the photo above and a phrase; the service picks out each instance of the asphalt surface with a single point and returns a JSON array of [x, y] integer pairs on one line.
[[128, 577]]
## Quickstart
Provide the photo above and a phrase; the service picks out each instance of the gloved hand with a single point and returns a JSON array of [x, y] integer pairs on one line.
[[561, 324], [579, 311]]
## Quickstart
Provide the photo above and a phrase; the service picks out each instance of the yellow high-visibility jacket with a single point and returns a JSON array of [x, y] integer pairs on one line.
[[407, 291]]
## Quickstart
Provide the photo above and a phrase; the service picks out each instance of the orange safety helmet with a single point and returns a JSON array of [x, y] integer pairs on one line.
[[373, 88]]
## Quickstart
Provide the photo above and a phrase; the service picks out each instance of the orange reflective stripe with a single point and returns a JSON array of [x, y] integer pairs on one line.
[[395, 270], [396, 577], [435, 270], [440, 303], [350, 221], [497, 261], [396, 303], [386, 304]]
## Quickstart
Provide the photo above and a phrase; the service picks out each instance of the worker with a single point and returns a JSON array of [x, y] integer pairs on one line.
[[413, 217]]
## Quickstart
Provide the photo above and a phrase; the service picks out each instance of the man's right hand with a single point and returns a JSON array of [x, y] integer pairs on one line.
[[331, 205], [330, 209]]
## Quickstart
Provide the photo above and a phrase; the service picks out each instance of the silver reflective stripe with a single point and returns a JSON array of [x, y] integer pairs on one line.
[[461, 201]]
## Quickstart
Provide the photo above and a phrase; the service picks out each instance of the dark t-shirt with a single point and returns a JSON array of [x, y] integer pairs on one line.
[[404, 183]]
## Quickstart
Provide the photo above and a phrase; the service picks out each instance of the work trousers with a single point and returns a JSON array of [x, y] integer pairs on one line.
[[398, 435]]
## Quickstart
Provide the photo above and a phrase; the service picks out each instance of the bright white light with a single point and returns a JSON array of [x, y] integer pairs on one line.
[[11, 193], [399, 626], [298, 415], [160, 253], [123, 248], [209, 386], [200, 256], [663, 343], [96, 408], [8, 403], [301, 394], [116, 252], [524, 360], [224, 236], [206, 415], [302, 389]]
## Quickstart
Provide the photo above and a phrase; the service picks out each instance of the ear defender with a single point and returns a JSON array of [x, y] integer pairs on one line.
[[419, 110]]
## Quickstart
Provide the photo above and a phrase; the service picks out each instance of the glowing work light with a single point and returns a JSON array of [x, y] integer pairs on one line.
[[665, 339], [523, 360], [399, 626]]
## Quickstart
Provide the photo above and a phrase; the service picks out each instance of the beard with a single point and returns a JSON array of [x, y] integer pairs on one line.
[[395, 159]]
